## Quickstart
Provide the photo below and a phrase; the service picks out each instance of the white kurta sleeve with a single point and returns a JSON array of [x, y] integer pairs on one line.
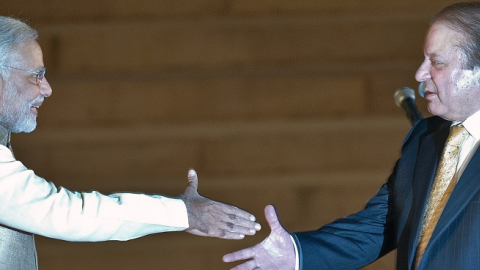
[[32, 204]]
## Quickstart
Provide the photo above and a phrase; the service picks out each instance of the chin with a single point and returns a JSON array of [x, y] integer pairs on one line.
[[26, 128], [435, 111], [30, 129]]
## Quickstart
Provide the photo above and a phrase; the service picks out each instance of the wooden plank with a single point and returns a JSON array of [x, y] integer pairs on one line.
[[92, 103], [228, 42], [57, 10], [216, 149], [68, 11], [357, 7]]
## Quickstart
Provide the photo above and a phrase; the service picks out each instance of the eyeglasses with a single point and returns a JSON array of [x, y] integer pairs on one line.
[[38, 74]]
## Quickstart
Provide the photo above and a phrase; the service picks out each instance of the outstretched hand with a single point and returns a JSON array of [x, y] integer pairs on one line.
[[274, 253], [215, 219]]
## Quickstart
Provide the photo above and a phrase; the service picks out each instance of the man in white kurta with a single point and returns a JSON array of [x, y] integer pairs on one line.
[[31, 205]]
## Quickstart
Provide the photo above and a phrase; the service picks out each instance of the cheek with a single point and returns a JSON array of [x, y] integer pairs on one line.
[[20, 97], [466, 79], [466, 84], [28, 93], [442, 80]]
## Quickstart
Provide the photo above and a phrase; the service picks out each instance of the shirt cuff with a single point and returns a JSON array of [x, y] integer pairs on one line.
[[297, 263]]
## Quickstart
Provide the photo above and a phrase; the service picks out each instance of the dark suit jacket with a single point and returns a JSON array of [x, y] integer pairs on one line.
[[392, 218]]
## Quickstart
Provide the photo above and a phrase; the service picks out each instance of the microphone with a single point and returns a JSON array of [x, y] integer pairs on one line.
[[405, 98]]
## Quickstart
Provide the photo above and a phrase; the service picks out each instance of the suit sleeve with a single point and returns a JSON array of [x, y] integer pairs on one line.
[[348, 243], [32, 204], [361, 238]]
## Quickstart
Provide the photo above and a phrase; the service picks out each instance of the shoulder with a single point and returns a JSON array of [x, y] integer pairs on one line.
[[425, 127]]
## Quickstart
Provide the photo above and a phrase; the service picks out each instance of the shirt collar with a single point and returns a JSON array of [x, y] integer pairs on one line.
[[4, 136], [472, 125]]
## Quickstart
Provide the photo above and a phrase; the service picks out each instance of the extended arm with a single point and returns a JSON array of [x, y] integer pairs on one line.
[[32, 204], [347, 243], [351, 242]]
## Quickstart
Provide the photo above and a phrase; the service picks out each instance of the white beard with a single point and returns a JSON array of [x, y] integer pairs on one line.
[[14, 116]]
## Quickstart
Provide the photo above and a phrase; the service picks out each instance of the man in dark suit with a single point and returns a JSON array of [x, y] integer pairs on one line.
[[429, 209]]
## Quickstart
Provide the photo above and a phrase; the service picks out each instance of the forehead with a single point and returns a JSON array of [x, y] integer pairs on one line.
[[27, 55], [442, 40]]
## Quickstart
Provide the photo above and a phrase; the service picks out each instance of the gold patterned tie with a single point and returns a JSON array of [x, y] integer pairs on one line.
[[442, 187]]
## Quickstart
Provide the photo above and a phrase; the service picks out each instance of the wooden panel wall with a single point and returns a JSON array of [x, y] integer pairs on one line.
[[272, 102]]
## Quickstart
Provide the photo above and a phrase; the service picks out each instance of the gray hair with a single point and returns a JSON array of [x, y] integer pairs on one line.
[[12, 33], [465, 18]]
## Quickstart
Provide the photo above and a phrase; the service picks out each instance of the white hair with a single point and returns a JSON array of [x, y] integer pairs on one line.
[[12, 33]]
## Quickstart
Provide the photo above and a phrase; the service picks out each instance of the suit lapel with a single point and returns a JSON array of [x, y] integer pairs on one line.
[[468, 185], [430, 149]]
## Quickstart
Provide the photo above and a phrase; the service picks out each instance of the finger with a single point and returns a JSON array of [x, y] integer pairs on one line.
[[235, 228], [239, 224], [220, 233], [237, 217], [192, 179], [231, 235], [250, 230], [235, 212], [272, 218], [239, 255]]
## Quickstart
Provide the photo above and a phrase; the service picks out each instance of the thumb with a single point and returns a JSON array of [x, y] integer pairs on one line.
[[272, 218], [192, 179]]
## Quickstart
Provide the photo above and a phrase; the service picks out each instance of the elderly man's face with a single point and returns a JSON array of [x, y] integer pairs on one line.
[[452, 92], [19, 97]]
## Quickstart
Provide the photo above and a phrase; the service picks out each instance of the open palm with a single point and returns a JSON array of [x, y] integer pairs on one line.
[[274, 252]]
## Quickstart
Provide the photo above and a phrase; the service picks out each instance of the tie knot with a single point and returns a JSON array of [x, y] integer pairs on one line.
[[457, 134]]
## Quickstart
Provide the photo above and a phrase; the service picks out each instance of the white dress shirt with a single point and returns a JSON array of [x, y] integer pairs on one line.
[[468, 148], [470, 145], [32, 204]]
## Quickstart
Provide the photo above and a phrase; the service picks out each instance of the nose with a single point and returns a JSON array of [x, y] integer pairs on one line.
[[45, 88], [423, 73]]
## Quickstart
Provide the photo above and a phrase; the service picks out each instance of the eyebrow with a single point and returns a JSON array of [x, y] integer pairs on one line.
[[436, 56], [433, 54], [40, 69]]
